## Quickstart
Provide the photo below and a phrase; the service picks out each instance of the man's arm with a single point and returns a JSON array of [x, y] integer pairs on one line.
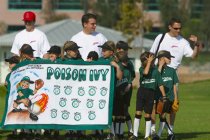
[[194, 39]]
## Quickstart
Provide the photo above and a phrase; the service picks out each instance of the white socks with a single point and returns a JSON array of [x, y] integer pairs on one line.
[[148, 128], [136, 127]]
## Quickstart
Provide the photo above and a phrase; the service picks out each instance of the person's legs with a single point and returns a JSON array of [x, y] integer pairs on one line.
[[137, 119], [161, 124], [153, 119], [148, 125]]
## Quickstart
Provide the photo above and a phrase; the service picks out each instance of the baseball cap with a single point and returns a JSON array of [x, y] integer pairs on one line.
[[164, 53], [26, 78], [55, 50], [123, 45], [108, 46], [70, 45], [13, 60], [29, 16], [26, 49]]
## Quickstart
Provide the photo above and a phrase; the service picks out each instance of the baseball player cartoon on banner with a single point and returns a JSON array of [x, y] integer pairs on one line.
[[26, 96]]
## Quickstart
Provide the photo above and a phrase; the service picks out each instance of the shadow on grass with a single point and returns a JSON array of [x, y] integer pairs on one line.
[[191, 135]]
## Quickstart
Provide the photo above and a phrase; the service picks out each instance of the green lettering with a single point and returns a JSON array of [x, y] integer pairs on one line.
[[68, 73], [75, 74], [50, 72], [91, 75], [57, 73], [104, 73], [82, 74], [97, 74], [63, 73]]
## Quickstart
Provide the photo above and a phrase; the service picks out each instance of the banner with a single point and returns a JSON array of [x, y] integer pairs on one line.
[[69, 95]]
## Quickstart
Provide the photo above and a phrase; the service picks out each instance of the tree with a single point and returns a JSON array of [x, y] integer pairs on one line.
[[107, 11], [205, 20], [131, 19], [48, 12]]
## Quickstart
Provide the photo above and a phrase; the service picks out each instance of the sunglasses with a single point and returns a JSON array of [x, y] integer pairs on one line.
[[177, 28]]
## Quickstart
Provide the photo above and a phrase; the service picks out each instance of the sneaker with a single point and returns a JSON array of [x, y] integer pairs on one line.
[[171, 137], [47, 133], [56, 133], [109, 137], [120, 137], [155, 137], [17, 110], [33, 117], [133, 138], [130, 134]]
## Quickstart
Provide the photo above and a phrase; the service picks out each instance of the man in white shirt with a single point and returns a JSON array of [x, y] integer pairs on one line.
[[32, 36], [178, 47], [175, 44], [88, 39]]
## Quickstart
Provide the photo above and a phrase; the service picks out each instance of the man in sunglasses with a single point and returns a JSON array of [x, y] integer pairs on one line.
[[178, 47], [32, 36]]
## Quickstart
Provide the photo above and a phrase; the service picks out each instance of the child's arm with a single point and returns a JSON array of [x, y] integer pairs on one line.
[[119, 73], [149, 63], [20, 93], [162, 90], [127, 87], [175, 93]]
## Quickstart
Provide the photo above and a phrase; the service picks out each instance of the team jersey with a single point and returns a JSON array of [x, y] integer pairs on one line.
[[177, 46], [89, 42], [122, 84], [36, 39], [26, 93], [170, 79], [152, 80]]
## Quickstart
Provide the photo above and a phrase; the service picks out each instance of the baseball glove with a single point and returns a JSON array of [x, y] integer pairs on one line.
[[39, 84], [164, 106], [175, 106], [159, 109]]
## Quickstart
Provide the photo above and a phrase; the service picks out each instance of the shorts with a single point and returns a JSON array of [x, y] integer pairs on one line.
[[119, 104], [128, 96], [145, 100]]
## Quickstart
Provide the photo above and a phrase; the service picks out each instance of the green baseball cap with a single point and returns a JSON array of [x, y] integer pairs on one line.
[[26, 78]]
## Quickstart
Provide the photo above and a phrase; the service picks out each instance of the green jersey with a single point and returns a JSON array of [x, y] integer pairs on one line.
[[26, 93], [125, 80], [152, 80], [170, 79]]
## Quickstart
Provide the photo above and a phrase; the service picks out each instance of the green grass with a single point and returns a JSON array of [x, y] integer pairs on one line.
[[202, 58], [192, 122]]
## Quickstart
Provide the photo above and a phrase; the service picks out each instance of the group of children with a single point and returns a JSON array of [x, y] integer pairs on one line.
[[156, 81]]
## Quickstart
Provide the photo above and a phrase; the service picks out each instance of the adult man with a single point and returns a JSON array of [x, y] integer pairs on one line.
[[178, 47], [176, 44], [88, 38], [32, 36]]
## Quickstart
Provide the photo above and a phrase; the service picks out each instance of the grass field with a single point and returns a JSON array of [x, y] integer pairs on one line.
[[193, 118]]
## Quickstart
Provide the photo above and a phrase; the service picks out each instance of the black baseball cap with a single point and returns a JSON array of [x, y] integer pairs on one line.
[[13, 60], [164, 53], [26, 49], [107, 46], [123, 45], [70, 45], [55, 50]]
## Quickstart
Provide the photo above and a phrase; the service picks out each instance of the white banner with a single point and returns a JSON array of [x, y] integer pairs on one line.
[[61, 95]]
